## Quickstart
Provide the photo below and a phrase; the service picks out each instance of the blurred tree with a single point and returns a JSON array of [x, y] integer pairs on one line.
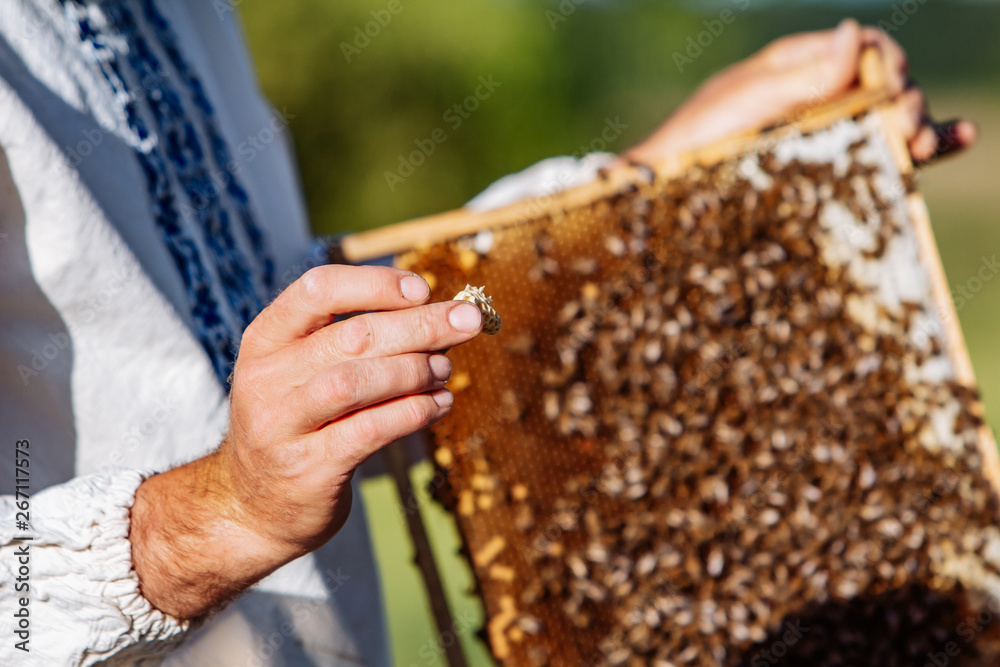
[[369, 82]]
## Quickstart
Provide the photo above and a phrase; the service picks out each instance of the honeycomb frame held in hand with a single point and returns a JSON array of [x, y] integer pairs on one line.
[[727, 404]]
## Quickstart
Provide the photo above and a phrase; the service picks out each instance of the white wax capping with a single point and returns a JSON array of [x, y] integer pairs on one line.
[[991, 551], [941, 434], [749, 169], [827, 146], [898, 275], [483, 242], [847, 235]]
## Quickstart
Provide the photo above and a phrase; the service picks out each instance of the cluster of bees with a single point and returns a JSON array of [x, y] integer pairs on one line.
[[717, 440]]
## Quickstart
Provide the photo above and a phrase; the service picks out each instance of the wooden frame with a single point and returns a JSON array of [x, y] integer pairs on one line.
[[871, 96]]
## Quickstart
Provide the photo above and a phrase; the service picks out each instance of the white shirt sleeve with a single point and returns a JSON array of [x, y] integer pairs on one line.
[[83, 600], [101, 363], [543, 179]]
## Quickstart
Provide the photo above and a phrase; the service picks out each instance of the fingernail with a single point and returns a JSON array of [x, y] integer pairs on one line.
[[440, 367], [465, 318], [443, 398], [414, 288], [969, 131]]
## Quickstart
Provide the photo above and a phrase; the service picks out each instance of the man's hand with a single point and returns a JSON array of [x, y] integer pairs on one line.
[[311, 400], [792, 73]]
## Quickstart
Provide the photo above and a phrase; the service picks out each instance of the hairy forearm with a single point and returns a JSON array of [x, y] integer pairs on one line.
[[191, 553]]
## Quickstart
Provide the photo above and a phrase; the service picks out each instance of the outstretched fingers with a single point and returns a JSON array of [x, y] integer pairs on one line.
[[361, 383], [314, 300], [357, 436], [436, 326]]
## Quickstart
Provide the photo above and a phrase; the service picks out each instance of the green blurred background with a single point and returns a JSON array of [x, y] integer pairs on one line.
[[563, 69]]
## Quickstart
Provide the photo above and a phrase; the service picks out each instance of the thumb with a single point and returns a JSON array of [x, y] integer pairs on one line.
[[833, 70], [845, 53], [810, 72]]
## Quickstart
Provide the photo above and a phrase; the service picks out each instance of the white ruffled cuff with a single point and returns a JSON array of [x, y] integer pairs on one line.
[[85, 607]]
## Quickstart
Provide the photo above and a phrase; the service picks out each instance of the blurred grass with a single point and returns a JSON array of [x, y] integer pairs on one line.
[[353, 121], [409, 618]]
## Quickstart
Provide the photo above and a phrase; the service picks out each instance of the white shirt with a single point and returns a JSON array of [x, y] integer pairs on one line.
[[104, 366], [139, 163]]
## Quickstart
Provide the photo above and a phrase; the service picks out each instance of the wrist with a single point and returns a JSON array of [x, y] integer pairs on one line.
[[189, 550]]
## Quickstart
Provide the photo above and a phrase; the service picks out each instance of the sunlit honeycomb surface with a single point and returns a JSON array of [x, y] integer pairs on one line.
[[719, 426]]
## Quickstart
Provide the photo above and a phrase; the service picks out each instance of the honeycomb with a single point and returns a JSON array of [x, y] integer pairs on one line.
[[723, 424]]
